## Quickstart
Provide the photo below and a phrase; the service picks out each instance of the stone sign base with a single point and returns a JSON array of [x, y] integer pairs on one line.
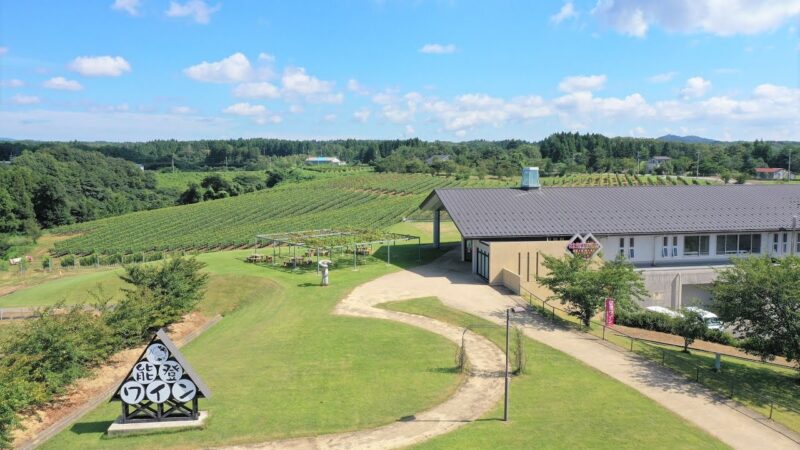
[[127, 429]]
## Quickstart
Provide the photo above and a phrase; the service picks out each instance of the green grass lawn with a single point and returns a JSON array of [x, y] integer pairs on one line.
[[71, 289], [562, 403], [448, 231], [280, 365], [756, 385]]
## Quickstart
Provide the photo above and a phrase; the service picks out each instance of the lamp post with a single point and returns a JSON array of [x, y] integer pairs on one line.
[[516, 309]]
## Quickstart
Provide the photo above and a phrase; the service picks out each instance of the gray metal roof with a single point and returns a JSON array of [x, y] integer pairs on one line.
[[517, 213]]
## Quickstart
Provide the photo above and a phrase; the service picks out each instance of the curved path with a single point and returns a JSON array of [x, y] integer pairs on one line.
[[479, 393]]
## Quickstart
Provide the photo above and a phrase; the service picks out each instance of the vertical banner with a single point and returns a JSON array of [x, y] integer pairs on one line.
[[609, 311]]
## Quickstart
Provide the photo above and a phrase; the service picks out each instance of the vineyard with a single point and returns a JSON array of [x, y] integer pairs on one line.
[[354, 199]]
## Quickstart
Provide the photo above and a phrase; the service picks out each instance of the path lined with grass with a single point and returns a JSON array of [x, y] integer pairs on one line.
[[452, 282], [477, 395]]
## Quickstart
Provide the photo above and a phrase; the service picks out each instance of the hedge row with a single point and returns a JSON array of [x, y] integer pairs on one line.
[[650, 320]]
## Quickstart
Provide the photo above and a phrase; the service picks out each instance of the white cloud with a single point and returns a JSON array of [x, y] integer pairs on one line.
[[257, 90], [354, 86], [296, 82], [245, 109], [266, 57], [20, 99], [129, 6], [695, 87], [258, 113], [119, 108], [470, 111], [12, 83], [329, 118], [62, 84], [362, 115], [719, 17], [182, 110], [198, 10], [582, 83], [234, 68], [100, 66], [438, 49], [122, 126], [662, 77], [567, 11]]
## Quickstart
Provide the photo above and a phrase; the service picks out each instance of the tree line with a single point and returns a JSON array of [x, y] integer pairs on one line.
[[558, 154]]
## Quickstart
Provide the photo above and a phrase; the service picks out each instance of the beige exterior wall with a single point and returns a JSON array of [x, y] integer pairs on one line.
[[523, 258]]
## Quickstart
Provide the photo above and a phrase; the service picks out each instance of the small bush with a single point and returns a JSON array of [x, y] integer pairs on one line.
[[67, 261], [88, 261]]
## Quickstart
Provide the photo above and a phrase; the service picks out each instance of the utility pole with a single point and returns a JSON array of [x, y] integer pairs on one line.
[[697, 169]]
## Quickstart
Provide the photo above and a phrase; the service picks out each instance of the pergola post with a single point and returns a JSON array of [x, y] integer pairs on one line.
[[317, 259], [437, 219], [294, 257]]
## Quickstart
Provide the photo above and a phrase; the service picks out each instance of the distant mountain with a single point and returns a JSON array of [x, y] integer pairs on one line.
[[687, 139]]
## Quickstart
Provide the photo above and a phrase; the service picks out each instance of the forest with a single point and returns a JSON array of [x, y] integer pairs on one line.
[[48, 184]]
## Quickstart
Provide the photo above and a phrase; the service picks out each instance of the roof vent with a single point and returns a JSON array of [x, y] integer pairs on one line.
[[530, 178]]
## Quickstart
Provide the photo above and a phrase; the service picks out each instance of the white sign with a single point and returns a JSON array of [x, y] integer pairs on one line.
[[157, 353], [184, 390], [158, 391], [131, 392], [170, 371], [144, 372]]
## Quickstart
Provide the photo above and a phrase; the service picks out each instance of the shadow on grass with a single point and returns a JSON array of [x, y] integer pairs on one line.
[[91, 427], [445, 370]]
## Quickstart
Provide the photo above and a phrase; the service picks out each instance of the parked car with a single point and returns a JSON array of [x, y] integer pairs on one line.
[[662, 310], [711, 320]]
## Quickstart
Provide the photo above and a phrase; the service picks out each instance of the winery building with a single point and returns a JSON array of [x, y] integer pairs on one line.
[[678, 237]]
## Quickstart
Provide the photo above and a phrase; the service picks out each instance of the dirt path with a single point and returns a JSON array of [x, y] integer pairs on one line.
[[480, 392], [452, 282]]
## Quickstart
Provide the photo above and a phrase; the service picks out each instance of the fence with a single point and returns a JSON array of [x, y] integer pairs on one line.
[[733, 380]]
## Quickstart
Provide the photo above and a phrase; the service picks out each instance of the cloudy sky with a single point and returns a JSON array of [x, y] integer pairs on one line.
[[451, 70]]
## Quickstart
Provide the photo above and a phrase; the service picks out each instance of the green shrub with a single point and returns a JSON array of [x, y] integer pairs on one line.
[[88, 261], [109, 260], [645, 319], [67, 261]]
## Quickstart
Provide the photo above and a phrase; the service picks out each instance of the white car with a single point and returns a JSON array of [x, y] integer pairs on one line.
[[711, 320], [662, 310]]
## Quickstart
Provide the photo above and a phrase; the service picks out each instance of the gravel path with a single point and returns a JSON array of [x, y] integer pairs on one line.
[[479, 393]]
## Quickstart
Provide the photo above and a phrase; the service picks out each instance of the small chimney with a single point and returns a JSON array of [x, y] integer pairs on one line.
[[530, 178]]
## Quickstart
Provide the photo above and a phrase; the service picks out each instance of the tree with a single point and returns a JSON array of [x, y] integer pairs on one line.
[[574, 281], [191, 195], [761, 299], [690, 326], [32, 230], [520, 356], [741, 178]]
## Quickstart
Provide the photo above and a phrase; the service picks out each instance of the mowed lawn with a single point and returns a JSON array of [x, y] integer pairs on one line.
[[72, 288], [562, 403], [280, 365]]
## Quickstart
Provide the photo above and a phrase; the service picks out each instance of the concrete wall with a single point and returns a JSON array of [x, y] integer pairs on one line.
[[523, 258], [676, 287], [510, 280]]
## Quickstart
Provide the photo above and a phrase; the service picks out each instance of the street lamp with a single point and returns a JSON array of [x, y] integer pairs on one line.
[[516, 309]]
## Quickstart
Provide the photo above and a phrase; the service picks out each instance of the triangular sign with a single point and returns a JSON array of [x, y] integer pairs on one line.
[[161, 382]]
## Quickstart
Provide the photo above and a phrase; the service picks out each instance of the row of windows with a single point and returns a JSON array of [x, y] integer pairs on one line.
[[699, 245]]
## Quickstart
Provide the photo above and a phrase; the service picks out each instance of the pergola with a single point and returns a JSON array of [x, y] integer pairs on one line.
[[328, 242]]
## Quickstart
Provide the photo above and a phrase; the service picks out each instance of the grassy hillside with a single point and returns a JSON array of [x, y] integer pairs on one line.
[[178, 181], [359, 199]]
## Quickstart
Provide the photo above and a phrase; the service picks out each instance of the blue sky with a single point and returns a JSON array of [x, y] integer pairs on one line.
[[451, 70]]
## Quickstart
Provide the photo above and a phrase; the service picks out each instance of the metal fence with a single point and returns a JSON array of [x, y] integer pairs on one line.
[[772, 405]]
